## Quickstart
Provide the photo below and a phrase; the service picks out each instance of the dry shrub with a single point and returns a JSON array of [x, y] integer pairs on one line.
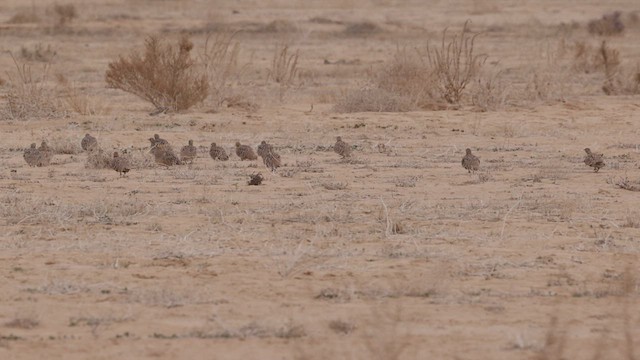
[[364, 28], [30, 95], [586, 59], [373, 100], [609, 24], [489, 92], [64, 145], [38, 53], [140, 159], [408, 76], [551, 77], [98, 159], [618, 79], [284, 68], [166, 76], [454, 63], [220, 61], [430, 79], [626, 184]]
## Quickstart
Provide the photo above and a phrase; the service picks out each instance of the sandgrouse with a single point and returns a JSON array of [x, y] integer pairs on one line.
[[218, 153], [32, 155], [164, 155], [46, 153], [342, 148], [120, 164], [188, 153], [594, 160], [89, 143], [270, 158], [470, 162], [245, 152]]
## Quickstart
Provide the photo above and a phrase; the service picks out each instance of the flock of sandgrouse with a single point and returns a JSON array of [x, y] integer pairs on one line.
[[164, 154]]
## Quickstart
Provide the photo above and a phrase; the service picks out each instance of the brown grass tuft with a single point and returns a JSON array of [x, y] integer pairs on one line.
[[98, 159], [284, 68], [165, 75], [220, 60], [30, 95]]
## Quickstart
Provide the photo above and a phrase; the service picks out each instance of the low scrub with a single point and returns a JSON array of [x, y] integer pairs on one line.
[[165, 75], [433, 78], [30, 94]]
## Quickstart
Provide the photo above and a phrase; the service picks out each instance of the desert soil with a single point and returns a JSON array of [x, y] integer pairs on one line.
[[396, 253]]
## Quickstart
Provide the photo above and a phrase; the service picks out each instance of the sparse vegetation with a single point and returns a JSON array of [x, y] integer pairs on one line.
[[379, 246], [284, 68], [30, 94], [166, 75], [220, 60], [455, 63]]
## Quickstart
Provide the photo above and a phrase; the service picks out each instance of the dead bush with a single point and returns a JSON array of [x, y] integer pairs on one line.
[[619, 80], [284, 68], [454, 63], [64, 145], [586, 59], [609, 24], [220, 60], [30, 94], [489, 91], [373, 100], [166, 76], [98, 159], [551, 76], [409, 76]]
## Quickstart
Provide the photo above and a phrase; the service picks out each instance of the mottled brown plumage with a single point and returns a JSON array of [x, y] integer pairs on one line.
[[342, 148], [594, 160], [188, 153], [470, 162], [157, 140], [269, 156], [120, 164], [164, 155], [46, 154], [255, 179], [245, 152], [32, 155], [89, 143], [218, 153]]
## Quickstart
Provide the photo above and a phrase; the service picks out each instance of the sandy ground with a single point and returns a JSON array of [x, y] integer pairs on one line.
[[395, 254]]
